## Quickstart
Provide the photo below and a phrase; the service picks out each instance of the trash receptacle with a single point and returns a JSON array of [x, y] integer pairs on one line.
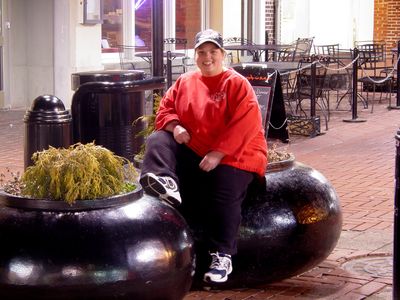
[[47, 123], [105, 105]]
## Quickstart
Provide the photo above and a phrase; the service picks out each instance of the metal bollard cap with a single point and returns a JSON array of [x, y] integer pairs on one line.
[[47, 103], [47, 109]]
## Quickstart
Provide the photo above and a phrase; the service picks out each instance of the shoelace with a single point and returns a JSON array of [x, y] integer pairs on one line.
[[219, 262]]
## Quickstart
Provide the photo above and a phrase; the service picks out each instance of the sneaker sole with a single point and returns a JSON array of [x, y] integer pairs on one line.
[[207, 278], [156, 189], [153, 187]]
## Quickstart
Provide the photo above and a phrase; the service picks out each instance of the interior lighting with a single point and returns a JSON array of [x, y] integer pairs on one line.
[[139, 3]]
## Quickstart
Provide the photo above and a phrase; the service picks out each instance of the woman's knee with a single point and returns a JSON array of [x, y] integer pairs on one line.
[[160, 137]]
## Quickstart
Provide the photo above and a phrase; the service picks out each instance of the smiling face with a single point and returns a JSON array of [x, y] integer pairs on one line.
[[209, 59]]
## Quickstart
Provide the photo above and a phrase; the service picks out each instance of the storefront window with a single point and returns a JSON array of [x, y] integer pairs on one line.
[[188, 20], [111, 29], [119, 14], [143, 23]]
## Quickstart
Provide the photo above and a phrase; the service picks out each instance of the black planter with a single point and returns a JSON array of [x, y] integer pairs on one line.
[[125, 247], [287, 228]]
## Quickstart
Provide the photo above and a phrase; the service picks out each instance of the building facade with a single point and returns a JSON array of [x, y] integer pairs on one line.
[[44, 41]]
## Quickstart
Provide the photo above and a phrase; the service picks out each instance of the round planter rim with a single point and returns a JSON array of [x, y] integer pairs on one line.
[[280, 165], [15, 201]]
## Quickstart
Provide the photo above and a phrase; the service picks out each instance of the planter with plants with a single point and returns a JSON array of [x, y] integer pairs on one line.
[[76, 225]]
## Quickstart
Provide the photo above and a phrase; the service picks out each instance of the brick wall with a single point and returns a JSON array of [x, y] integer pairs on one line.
[[387, 21], [269, 19]]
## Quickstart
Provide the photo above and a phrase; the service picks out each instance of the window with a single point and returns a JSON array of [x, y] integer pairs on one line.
[[188, 20], [128, 22], [142, 25], [111, 29]]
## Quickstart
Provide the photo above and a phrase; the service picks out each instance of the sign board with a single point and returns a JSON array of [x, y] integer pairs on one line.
[[267, 86]]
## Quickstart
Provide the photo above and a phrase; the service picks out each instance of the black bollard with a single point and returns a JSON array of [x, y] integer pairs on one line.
[[47, 124], [313, 87], [396, 266], [354, 117], [397, 106], [398, 76]]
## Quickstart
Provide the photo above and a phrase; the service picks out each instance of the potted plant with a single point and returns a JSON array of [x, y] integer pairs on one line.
[[80, 172], [77, 225], [149, 127]]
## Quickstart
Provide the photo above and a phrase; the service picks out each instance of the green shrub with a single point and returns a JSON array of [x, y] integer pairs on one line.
[[80, 172]]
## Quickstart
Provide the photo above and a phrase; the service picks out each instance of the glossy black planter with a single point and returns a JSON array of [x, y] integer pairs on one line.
[[125, 247], [287, 229]]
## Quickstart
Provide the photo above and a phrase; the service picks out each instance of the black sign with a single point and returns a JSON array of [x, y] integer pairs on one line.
[[267, 86], [263, 96]]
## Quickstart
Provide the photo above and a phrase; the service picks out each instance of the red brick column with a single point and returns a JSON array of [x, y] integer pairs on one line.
[[387, 21], [270, 20]]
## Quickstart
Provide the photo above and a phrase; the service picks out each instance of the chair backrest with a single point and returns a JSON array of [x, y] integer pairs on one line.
[[286, 53], [327, 50], [175, 44], [303, 47], [126, 56], [360, 43], [237, 41], [304, 78], [372, 56]]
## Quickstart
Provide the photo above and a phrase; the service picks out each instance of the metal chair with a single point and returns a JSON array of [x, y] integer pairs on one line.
[[337, 80], [330, 50], [127, 58], [371, 62], [176, 44], [285, 54], [303, 48], [289, 92], [295, 51], [304, 87], [237, 41]]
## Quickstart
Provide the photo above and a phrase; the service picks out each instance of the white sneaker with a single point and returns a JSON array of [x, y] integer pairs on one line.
[[164, 188], [220, 268]]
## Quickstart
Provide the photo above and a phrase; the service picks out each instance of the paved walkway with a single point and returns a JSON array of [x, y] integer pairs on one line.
[[359, 160]]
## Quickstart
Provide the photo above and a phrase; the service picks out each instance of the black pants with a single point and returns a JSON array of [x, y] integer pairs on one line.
[[211, 201]]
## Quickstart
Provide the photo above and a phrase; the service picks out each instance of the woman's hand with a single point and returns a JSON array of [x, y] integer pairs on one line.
[[211, 160], [181, 135]]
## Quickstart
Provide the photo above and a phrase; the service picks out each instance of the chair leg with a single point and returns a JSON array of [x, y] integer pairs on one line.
[[373, 98], [327, 94], [325, 110]]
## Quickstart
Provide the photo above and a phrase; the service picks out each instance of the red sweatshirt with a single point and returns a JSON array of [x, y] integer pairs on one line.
[[220, 113]]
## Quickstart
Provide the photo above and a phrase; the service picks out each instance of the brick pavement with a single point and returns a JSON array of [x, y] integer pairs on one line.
[[358, 159]]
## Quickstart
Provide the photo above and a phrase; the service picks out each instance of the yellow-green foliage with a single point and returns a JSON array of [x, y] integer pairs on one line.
[[150, 122], [81, 172]]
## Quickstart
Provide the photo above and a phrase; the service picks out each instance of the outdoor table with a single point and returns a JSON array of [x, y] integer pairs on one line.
[[282, 67], [147, 55], [285, 66], [257, 50]]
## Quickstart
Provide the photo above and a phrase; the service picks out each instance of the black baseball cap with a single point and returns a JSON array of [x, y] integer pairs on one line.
[[209, 35]]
